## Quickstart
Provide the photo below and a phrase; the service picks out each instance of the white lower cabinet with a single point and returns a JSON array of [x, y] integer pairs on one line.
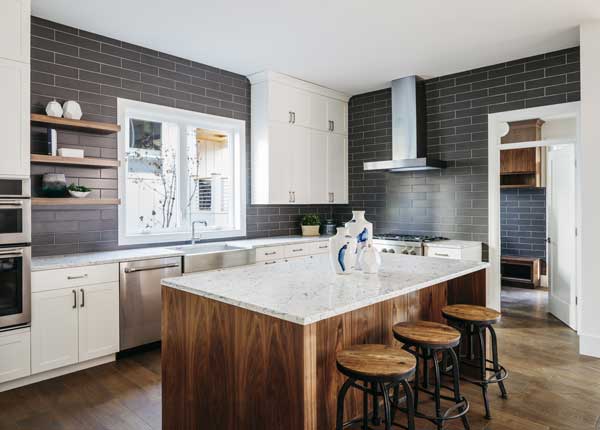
[[14, 354], [98, 321], [74, 324]]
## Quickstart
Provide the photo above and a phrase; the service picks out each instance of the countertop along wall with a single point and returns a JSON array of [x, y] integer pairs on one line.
[[72, 64], [451, 202]]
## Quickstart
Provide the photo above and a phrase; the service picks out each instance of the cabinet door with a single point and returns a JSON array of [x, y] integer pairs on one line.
[[14, 118], [299, 164], [280, 104], [319, 192], [15, 30], [337, 113], [53, 329], [279, 159], [14, 355], [318, 112], [518, 161], [337, 167], [300, 106], [98, 320]]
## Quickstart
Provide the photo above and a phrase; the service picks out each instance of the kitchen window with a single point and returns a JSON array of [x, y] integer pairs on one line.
[[178, 167]]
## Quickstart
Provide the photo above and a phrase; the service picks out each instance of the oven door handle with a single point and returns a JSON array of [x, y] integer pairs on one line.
[[14, 252], [11, 203]]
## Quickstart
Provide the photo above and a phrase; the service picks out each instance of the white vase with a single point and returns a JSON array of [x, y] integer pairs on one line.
[[54, 109], [342, 252], [369, 259], [72, 110], [361, 230]]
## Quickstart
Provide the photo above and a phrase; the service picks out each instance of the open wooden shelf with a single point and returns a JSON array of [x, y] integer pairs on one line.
[[72, 201], [86, 161], [75, 124], [518, 186]]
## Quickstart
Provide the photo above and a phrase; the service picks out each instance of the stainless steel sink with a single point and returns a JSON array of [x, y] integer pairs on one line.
[[210, 256]]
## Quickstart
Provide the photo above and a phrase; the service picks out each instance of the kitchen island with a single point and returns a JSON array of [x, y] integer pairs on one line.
[[254, 347]]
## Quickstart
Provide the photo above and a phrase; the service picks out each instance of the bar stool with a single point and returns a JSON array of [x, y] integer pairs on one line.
[[429, 339], [473, 321], [383, 367]]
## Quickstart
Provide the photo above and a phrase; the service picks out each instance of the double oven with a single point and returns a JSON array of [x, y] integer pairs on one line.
[[15, 253]]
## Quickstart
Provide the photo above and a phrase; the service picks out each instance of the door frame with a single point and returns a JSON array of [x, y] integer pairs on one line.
[[496, 127]]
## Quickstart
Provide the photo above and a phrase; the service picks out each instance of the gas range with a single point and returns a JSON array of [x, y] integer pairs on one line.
[[408, 244]]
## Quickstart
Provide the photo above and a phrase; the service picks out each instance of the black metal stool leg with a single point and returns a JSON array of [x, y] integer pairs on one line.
[[339, 425], [456, 384], [416, 383], [496, 362], [386, 406], [437, 387], [426, 353], [483, 375], [365, 420], [376, 419], [395, 401], [409, 405], [471, 330]]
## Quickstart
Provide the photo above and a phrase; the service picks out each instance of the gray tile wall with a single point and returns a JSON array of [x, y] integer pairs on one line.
[[73, 64], [523, 222], [450, 202]]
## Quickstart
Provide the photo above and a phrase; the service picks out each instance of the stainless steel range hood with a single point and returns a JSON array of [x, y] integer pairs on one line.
[[409, 139]]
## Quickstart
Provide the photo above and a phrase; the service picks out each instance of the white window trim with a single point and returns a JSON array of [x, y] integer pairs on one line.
[[234, 127]]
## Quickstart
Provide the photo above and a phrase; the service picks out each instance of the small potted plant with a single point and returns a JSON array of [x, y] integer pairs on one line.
[[78, 191], [310, 225]]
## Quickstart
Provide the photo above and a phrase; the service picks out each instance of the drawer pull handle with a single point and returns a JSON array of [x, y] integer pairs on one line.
[[145, 269], [323, 246], [270, 262], [70, 278], [271, 253], [441, 255], [297, 250]]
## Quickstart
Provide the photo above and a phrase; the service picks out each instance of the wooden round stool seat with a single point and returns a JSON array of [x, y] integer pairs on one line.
[[376, 362], [471, 313], [427, 333]]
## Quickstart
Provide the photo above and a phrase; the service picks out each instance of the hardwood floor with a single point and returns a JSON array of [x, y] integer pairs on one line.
[[550, 385]]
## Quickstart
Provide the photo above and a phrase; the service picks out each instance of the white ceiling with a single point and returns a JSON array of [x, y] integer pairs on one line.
[[348, 45]]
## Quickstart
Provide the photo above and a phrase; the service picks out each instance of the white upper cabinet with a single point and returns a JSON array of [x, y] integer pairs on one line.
[[14, 118], [15, 18], [337, 168], [291, 124]]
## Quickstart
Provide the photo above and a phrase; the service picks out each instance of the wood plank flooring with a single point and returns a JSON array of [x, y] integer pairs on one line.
[[550, 386]]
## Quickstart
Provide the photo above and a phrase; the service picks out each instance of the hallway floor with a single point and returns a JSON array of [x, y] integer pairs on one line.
[[550, 385]]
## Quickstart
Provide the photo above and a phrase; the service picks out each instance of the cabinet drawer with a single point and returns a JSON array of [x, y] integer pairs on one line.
[[73, 277], [14, 355], [298, 250], [270, 253], [432, 251], [320, 247]]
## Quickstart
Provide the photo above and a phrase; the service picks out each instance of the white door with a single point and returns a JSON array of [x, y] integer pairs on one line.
[[337, 167], [14, 118], [14, 355], [319, 192], [337, 113], [299, 164], [15, 29], [53, 329], [318, 112], [279, 174], [561, 233], [98, 320]]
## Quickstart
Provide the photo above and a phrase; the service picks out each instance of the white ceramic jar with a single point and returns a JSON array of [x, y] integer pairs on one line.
[[369, 259], [361, 230], [342, 252]]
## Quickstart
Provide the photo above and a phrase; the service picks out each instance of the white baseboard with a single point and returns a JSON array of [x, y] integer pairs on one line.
[[38, 377], [589, 345], [564, 311], [544, 281]]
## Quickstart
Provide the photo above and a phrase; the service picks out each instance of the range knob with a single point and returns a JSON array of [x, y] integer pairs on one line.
[[405, 251], [384, 250], [392, 251], [413, 252]]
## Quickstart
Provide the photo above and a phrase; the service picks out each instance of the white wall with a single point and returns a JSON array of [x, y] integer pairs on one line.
[[589, 342]]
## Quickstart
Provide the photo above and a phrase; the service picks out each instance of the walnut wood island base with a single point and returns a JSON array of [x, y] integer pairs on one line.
[[230, 368]]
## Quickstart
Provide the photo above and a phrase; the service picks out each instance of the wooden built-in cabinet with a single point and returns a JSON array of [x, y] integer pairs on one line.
[[299, 142], [523, 168]]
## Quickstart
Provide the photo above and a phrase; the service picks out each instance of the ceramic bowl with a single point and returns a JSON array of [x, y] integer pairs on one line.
[[79, 194]]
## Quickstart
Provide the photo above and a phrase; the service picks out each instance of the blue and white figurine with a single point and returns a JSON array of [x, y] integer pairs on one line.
[[342, 252], [362, 230]]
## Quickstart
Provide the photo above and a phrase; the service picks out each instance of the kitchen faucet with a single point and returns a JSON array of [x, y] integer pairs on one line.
[[194, 229]]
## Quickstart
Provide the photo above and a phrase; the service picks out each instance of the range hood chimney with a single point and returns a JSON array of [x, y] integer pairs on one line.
[[409, 139]]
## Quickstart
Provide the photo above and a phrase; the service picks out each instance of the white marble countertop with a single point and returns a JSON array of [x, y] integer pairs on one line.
[[106, 257], [305, 290], [459, 244]]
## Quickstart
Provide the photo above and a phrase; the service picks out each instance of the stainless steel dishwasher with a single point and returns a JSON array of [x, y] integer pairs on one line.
[[140, 299]]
